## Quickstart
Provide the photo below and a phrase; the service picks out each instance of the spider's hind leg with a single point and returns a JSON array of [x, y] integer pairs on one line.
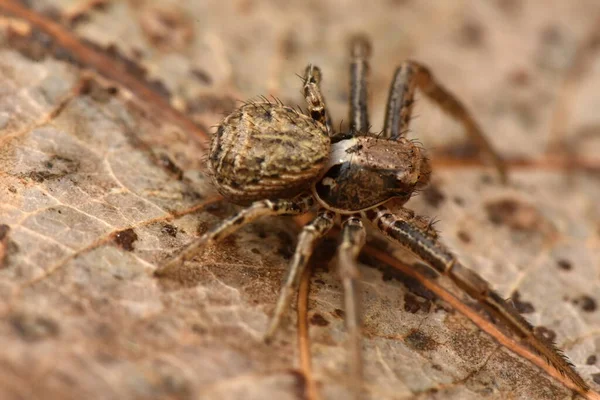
[[412, 233], [306, 243], [411, 75], [262, 208], [353, 239]]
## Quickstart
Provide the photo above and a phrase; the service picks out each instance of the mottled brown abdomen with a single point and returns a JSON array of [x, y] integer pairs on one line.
[[267, 151]]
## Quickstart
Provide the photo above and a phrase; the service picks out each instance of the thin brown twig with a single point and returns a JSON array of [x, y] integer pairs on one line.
[[478, 319], [303, 337], [549, 162]]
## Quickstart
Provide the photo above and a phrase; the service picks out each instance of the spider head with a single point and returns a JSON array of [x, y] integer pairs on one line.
[[364, 172]]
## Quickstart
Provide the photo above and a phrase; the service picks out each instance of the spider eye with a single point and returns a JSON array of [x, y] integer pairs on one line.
[[316, 114]]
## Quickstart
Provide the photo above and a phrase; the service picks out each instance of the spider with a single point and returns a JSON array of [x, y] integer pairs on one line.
[[279, 161]]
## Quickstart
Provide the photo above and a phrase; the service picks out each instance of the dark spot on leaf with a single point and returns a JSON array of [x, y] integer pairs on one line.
[[519, 77], [510, 7], [171, 383], [160, 88], [4, 229], [564, 265], [78, 18], [125, 239], [169, 229], [499, 211], [523, 307], [199, 329], [202, 76], [464, 236], [514, 214], [586, 303], [472, 33], [56, 167], [412, 304], [33, 328], [546, 333], [289, 45], [591, 360], [339, 313], [167, 28], [486, 179], [418, 340], [35, 45], [459, 201], [433, 196], [99, 92], [319, 320], [168, 164], [436, 367]]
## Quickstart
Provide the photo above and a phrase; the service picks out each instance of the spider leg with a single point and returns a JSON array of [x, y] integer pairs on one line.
[[360, 51], [353, 239], [299, 205], [400, 102], [314, 98], [306, 243], [412, 233]]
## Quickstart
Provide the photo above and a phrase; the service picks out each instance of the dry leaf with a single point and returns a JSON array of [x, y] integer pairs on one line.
[[101, 182]]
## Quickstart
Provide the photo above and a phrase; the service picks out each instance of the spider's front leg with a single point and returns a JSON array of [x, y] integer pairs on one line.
[[411, 232], [411, 75], [262, 208], [353, 239], [360, 51]]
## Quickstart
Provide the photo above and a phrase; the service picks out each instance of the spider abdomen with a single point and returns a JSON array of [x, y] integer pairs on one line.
[[266, 151]]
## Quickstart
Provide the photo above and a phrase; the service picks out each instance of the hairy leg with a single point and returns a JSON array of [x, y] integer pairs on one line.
[[306, 243], [411, 232], [314, 98], [353, 239], [299, 205], [411, 75], [360, 51]]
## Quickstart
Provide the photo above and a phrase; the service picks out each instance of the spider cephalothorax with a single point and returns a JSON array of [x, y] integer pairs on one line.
[[285, 162], [364, 172]]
